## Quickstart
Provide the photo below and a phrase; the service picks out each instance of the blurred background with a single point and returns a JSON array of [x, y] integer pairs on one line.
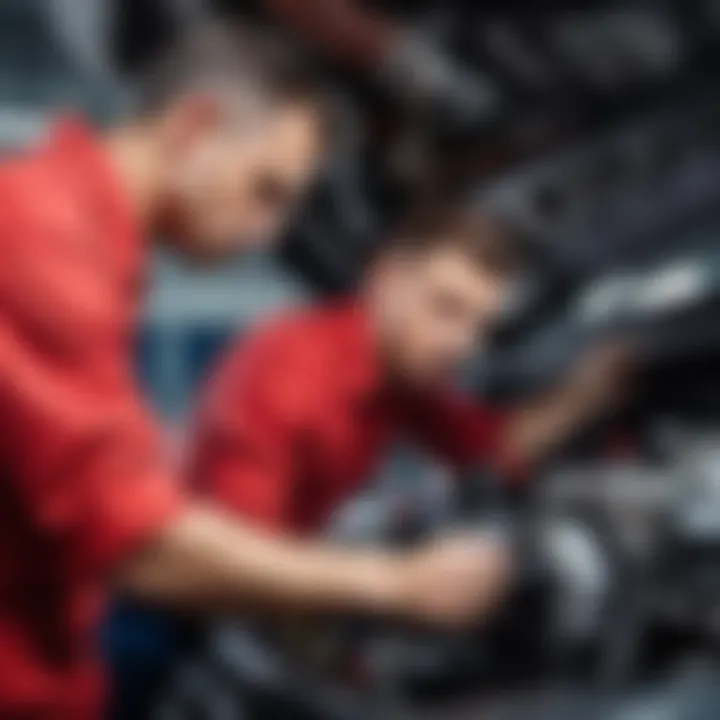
[[595, 127]]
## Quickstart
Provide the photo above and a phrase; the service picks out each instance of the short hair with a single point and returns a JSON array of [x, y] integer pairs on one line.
[[488, 241], [231, 52]]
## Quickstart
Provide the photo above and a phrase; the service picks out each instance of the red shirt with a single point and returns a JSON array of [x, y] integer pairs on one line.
[[81, 482], [297, 418]]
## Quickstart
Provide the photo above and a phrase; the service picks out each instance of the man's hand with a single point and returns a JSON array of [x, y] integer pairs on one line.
[[454, 581]]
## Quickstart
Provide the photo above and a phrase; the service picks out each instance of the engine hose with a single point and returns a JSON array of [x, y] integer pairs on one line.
[[626, 620]]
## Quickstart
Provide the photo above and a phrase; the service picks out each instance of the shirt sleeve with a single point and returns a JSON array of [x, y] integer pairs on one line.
[[248, 435], [81, 457], [457, 429]]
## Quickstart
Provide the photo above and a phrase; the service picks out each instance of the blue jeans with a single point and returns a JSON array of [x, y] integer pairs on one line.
[[141, 645]]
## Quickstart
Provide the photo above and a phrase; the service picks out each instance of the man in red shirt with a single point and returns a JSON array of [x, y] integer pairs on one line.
[[298, 416], [226, 137]]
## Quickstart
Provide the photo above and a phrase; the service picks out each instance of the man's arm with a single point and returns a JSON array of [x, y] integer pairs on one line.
[[597, 384], [465, 432], [206, 560]]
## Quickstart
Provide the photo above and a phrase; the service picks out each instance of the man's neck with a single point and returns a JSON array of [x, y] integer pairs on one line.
[[138, 163]]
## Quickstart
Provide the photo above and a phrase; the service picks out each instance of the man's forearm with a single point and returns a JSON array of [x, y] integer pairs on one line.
[[547, 423], [537, 429], [207, 561], [596, 385]]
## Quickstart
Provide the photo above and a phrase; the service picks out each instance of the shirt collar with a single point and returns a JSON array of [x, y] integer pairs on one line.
[[84, 159]]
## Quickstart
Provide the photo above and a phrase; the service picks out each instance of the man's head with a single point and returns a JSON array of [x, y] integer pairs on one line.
[[435, 287], [241, 122]]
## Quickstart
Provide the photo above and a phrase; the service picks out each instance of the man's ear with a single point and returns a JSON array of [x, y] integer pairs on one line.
[[384, 268], [191, 117]]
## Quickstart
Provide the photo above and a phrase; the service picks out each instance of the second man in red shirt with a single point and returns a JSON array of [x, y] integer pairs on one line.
[[299, 416]]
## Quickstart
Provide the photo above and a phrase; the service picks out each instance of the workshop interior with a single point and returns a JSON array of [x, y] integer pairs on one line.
[[593, 126]]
